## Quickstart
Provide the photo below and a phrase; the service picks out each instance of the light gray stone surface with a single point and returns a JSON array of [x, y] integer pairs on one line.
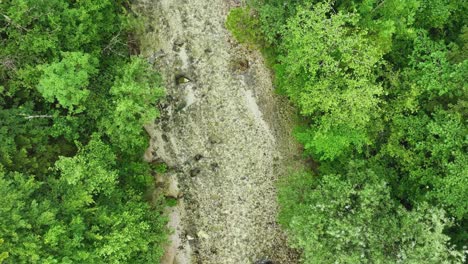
[[223, 132]]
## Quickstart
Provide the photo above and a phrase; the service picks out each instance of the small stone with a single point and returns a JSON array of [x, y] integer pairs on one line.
[[181, 79], [203, 235], [198, 157], [194, 172], [214, 166], [264, 261]]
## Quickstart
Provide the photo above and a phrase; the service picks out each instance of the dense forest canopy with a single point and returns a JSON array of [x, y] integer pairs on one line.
[[73, 100], [381, 86]]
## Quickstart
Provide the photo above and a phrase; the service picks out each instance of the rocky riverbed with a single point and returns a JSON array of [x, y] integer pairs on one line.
[[223, 132]]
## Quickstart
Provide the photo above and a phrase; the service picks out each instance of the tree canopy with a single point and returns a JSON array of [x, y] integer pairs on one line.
[[381, 89], [73, 102]]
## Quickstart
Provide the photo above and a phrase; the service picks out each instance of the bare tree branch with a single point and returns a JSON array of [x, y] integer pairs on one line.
[[29, 117]]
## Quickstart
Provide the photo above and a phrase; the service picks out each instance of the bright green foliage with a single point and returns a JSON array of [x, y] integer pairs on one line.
[[67, 80], [15, 209], [73, 102], [327, 70], [82, 215], [89, 172], [37, 32], [352, 219], [160, 167], [133, 94], [382, 82], [3, 255]]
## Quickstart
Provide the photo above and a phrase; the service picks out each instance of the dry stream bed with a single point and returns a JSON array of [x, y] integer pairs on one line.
[[224, 134]]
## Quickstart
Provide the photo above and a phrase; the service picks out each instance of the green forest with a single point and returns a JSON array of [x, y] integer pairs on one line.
[[381, 89], [73, 98]]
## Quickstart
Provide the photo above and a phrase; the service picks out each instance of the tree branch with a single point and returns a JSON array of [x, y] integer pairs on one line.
[[29, 117]]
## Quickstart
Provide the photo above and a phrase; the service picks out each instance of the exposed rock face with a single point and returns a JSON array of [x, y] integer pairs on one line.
[[224, 134]]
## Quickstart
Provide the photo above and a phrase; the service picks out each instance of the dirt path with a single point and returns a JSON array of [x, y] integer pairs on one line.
[[224, 134]]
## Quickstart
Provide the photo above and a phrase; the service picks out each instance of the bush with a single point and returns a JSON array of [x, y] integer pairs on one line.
[[243, 24]]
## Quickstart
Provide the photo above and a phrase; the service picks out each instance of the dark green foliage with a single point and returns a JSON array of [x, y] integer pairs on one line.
[[381, 82], [273, 16], [26, 141], [73, 102], [433, 170]]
